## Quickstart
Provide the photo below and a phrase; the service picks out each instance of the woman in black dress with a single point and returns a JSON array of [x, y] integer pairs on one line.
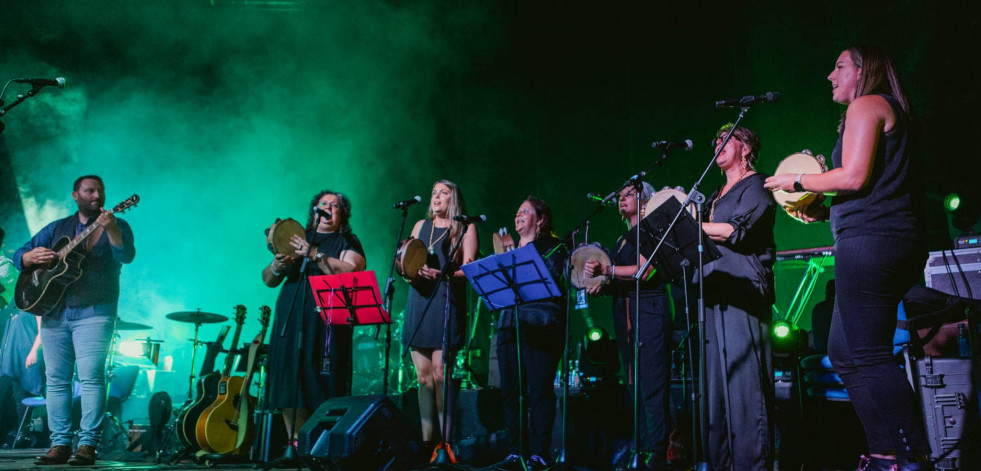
[[880, 250], [738, 299], [324, 369], [440, 233], [540, 339], [656, 327]]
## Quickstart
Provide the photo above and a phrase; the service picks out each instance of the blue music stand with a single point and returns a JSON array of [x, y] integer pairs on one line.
[[511, 278]]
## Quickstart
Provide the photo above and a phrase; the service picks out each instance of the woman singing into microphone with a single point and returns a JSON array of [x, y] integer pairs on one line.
[[429, 299]]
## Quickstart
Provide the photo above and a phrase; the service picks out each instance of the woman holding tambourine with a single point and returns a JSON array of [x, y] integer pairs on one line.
[[422, 328], [655, 326], [330, 247], [880, 249]]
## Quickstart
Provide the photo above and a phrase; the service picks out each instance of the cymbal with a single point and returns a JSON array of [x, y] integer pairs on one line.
[[123, 325], [196, 317]]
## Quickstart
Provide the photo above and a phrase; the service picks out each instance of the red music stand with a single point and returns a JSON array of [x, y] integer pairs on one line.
[[349, 298]]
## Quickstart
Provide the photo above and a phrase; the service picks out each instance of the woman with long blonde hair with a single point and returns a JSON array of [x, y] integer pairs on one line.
[[429, 298]]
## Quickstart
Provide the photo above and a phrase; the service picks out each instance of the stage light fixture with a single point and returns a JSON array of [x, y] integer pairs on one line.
[[952, 202], [131, 348], [595, 334], [781, 329]]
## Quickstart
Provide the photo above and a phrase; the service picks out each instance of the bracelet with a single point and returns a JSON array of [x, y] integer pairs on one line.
[[613, 271], [798, 187], [273, 271]]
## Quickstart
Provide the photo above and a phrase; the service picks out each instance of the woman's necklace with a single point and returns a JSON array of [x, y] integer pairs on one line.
[[432, 243], [725, 189]]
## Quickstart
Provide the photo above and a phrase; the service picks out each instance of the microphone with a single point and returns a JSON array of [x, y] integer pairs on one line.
[[599, 199], [668, 145], [470, 219], [321, 212], [409, 202], [748, 100], [40, 82]]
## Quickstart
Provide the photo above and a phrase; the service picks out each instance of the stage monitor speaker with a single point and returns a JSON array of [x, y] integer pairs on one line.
[[359, 432]]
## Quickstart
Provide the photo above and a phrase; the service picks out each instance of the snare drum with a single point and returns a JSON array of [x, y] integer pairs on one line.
[[661, 196], [279, 234], [410, 258], [802, 162], [579, 257]]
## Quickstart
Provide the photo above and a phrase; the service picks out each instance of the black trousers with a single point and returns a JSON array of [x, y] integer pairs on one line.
[[872, 275], [541, 349], [739, 390], [656, 327]]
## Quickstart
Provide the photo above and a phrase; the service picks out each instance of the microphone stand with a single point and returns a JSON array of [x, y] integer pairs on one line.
[[20, 99], [444, 454], [390, 298], [699, 199], [301, 285]]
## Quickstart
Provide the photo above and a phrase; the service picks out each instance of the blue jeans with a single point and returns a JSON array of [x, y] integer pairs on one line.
[[68, 341]]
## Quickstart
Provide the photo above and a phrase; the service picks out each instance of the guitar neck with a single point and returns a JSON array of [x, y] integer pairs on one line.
[[230, 357], [79, 239]]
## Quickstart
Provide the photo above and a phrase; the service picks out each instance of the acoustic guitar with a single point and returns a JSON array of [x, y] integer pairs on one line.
[[199, 428], [206, 390], [230, 427], [39, 289]]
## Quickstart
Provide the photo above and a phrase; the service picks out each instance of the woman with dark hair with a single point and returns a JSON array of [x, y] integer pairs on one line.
[[656, 326], [880, 249], [738, 298], [324, 370], [528, 354], [428, 299]]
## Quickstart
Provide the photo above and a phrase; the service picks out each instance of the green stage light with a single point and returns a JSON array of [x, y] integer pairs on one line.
[[952, 202], [781, 330], [595, 334]]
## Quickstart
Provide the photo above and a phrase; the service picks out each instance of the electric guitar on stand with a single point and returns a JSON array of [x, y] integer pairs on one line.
[[39, 289]]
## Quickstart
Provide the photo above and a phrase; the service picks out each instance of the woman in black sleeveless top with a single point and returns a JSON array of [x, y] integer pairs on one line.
[[880, 250], [440, 233]]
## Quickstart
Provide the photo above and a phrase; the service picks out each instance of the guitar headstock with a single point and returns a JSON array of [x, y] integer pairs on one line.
[[240, 314], [125, 204], [264, 313]]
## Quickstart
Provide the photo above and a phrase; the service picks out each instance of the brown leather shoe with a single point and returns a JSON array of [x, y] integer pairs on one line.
[[58, 454], [84, 456]]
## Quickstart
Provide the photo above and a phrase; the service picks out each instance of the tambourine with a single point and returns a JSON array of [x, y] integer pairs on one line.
[[802, 162], [279, 234], [502, 241], [579, 258], [410, 257], [661, 196]]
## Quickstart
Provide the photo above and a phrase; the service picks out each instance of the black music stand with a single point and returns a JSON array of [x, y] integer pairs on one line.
[[349, 298], [512, 279], [679, 244]]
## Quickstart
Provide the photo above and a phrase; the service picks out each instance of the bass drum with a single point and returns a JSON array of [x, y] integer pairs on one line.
[[802, 162]]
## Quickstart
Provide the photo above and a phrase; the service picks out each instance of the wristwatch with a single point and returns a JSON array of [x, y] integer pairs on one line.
[[797, 186]]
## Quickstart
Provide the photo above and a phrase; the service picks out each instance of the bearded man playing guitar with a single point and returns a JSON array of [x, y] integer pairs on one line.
[[78, 329]]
